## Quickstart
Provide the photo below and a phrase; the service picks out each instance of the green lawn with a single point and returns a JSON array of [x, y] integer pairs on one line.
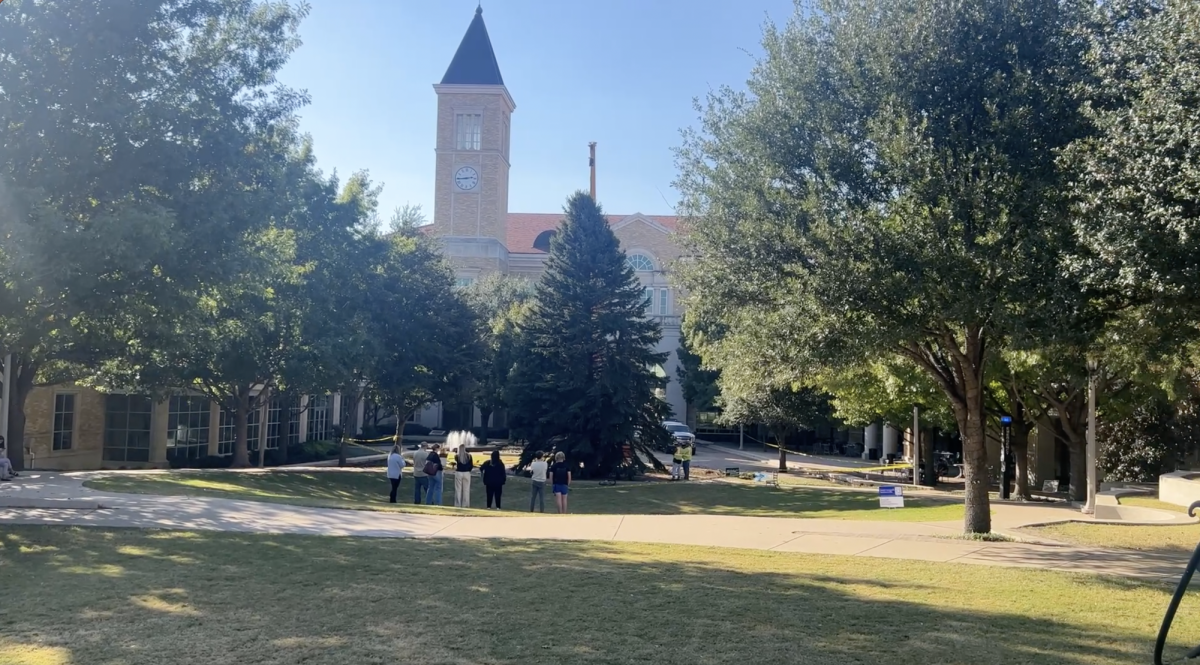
[[1175, 539], [74, 596], [368, 490]]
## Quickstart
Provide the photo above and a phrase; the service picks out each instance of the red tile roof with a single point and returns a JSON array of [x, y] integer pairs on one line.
[[524, 227]]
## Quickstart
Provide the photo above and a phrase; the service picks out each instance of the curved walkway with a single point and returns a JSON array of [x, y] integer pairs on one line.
[[61, 499]]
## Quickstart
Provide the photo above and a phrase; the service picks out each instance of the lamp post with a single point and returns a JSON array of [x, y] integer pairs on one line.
[[1090, 507], [1005, 439], [916, 444]]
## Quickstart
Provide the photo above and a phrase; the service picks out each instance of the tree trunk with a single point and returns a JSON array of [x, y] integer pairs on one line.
[[1078, 450], [343, 444], [1020, 450], [241, 419], [928, 459], [23, 374], [485, 417], [780, 438], [262, 443]]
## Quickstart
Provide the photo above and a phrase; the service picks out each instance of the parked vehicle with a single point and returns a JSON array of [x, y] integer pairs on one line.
[[680, 431]]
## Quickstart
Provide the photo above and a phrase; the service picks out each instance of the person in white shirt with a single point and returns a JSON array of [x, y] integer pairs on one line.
[[395, 466], [538, 468], [6, 468]]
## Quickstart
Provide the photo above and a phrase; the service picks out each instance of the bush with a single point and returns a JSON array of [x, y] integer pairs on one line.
[[206, 462], [1152, 440]]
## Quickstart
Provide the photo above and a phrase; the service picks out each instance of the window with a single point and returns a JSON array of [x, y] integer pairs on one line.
[[253, 424], [318, 419], [468, 131], [463, 282], [542, 241], [658, 302], [64, 421], [127, 428], [187, 428], [226, 433], [640, 262]]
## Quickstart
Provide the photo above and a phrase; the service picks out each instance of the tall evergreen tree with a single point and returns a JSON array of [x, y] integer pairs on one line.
[[586, 383]]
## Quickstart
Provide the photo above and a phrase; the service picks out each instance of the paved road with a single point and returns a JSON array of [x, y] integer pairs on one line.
[[61, 499]]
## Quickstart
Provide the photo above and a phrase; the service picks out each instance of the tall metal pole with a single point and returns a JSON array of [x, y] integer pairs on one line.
[[1090, 506], [916, 444], [592, 164], [1005, 453], [741, 436], [5, 396]]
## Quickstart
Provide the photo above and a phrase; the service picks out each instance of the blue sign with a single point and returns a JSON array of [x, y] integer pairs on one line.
[[1006, 420], [891, 496]]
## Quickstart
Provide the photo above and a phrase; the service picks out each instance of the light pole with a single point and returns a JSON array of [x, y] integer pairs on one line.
[[1090, 507], [916, 444], [1005, 438], [741, 436]]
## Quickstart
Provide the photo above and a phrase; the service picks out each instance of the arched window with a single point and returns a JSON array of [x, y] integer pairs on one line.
[[640, 262], [542, 242]]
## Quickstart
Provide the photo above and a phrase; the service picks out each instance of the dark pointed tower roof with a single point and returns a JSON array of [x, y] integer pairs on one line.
[[475, 62]]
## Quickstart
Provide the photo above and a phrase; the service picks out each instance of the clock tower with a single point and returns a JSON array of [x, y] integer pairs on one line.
[[471, 191]]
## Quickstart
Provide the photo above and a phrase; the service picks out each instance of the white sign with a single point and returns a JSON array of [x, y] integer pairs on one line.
[[891, 496]]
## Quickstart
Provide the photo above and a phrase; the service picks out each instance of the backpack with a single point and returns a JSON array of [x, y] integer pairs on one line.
[[431, 465]]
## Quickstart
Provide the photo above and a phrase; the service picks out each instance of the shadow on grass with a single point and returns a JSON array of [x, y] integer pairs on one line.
[[169, 598], [366, 490]]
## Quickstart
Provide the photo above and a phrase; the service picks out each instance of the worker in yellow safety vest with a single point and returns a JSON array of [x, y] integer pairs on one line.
[[683, 453]]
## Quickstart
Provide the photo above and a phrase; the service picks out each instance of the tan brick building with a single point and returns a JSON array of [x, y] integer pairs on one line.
[[471, 215]]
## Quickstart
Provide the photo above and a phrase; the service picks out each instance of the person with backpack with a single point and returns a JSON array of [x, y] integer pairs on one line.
[[420, 479], [494, 476], [463, 465], [684, 453], [433, 469], [395, 466]]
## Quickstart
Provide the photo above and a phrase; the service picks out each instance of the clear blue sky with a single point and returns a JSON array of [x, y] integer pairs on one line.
[[622, 73]]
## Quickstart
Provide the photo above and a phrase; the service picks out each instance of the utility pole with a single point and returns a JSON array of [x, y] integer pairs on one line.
[[741, 436], [592, 164]]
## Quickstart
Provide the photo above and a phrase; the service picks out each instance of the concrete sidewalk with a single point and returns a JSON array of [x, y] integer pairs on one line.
[[58, 499]]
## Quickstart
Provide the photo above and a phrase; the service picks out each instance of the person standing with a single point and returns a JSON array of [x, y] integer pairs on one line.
[[538, 470], [6, 468], [494, 476], [677, 462], [561, 475], [434, 468], [685, 459], [420, 479], [395, 466], [463, 465]]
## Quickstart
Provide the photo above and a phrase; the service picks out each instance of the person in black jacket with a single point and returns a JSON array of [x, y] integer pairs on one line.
[[494, 476]]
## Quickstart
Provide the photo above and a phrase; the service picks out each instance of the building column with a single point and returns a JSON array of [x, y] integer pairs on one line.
[[159, 419], [871, 438], [335, 417], [362, 416], [214, 428], [891, 440]]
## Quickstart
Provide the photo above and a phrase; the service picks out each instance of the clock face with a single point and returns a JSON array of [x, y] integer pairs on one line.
[[466, 178]]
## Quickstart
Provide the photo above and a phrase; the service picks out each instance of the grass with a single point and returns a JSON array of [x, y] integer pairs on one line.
[[1163, 539], [76, 596], [368, 490]]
